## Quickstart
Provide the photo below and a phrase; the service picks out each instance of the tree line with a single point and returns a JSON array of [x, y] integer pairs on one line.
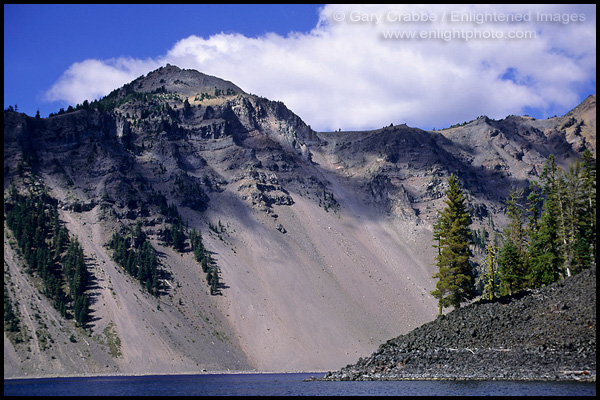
[[550, 234], [50, 252]]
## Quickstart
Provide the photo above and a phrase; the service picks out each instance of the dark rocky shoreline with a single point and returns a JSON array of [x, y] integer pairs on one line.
[[543, 334]]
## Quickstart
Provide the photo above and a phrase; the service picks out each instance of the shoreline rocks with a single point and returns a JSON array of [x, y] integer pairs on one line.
[[542, 334]]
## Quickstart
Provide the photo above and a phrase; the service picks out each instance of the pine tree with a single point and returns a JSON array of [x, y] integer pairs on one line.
[[455, 276], [75, 269], [209, 277], [60, 241], [571, 198], [587, 222], [214, 282], [437, 235], [578, 217], [81, 310], [510, 263], [534, 201], [511, 256], [197, 245], [489, 289], [138, 235], [544, 256], [178, 237], [205, 263], [515, 213]]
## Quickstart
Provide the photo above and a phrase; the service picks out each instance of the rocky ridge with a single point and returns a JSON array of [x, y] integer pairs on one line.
[[543, 334]]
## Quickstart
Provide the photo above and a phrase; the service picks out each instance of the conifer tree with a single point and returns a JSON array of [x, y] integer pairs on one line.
[[577, 197], [197, 245], [489, 289], [534, 201], [587, 222], [511, 266], [81, 310], [570, 199], [544, 252], [515, 212], [178, 237], [455, 276], [510, 263], [214, 282]]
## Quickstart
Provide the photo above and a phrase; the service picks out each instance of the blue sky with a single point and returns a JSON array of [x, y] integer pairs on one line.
[[42, 41], [336, 66]]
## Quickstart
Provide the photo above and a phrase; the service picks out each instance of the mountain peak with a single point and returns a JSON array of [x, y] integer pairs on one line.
[[186, 82]]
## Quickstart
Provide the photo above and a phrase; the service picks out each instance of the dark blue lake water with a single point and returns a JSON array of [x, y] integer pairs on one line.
[[280, 385]]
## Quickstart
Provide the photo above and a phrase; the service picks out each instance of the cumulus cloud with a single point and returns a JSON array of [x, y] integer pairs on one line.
[[92, 79], [354, 71]]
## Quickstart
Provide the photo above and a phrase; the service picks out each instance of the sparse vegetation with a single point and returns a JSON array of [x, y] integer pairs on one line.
[[112, 340]]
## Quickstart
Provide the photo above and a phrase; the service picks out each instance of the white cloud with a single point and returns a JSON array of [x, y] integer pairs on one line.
[[344, 74], [91, 79]]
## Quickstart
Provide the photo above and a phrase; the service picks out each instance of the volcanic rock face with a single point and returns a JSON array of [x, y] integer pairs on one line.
[[353, 268]]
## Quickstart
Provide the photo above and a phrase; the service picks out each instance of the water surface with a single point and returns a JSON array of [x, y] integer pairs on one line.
[[280, 385]]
